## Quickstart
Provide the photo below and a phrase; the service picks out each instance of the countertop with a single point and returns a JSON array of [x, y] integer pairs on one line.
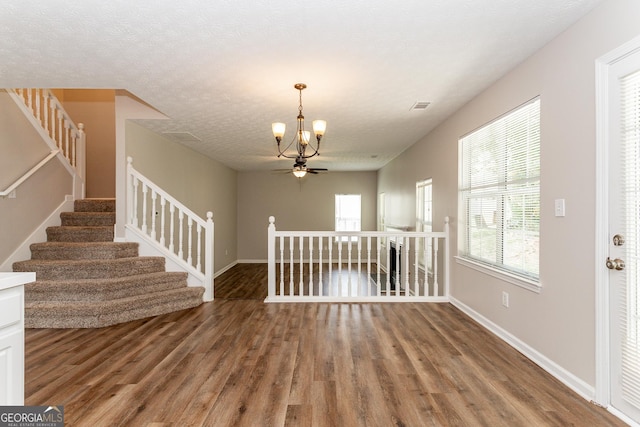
[[10, 280]]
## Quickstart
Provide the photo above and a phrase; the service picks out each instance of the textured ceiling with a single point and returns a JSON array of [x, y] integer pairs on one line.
[[223, 71]]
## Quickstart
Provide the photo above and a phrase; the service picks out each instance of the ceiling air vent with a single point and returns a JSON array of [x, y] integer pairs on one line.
[[420, 105]]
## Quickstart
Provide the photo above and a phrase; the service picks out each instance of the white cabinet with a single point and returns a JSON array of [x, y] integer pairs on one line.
[[12, 337]]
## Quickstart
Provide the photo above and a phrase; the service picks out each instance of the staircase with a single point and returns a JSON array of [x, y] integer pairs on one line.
[[86, 280]]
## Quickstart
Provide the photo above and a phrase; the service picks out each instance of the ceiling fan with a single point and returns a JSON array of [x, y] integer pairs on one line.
[[300, 168]]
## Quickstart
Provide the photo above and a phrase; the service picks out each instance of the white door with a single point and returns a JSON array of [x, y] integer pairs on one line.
[[624, 235]]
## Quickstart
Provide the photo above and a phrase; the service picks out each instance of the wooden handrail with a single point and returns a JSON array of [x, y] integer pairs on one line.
[[28, 174]]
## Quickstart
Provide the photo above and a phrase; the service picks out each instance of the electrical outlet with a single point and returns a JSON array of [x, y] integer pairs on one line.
[[12, 195], [559, 207], [505, 299]]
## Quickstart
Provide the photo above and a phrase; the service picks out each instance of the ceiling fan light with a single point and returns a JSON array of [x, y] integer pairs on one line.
[[319, 127], [299, 172], [278, 129]]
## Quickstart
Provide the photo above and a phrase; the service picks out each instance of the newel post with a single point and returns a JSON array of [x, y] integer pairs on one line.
[[271, 257], [208, 262], [447, 257], [130, 195], [80, 149]]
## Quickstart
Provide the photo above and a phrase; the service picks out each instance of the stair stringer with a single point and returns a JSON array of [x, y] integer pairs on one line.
[[147, 247], [23, 251]]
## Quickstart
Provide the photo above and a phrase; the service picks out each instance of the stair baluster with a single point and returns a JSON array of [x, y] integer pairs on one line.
[[140, 191]]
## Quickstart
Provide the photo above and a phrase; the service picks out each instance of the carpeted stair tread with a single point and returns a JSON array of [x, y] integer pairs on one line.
[[80, 234], [86, 280], [83, 250], [94, 205], [92, 314], [103, 289], [90, 269], [88, 219]]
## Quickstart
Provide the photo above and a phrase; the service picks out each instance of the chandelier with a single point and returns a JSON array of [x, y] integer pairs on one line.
[[301, 142]]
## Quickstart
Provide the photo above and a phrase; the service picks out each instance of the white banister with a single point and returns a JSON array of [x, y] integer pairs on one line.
[[271, 256], [42, 109], [28, 174], [140, 190], [398, 266]]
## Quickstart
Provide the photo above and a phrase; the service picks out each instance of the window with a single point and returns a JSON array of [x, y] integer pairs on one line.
[[382, 218], [348, 213], [499, 190], [381, 212], [424, 200], [424, 221]]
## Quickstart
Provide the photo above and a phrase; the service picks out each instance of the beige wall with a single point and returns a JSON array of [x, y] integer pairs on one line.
[[559, 322], [306, 204], [95, 108], [198, 182], [22, 148]]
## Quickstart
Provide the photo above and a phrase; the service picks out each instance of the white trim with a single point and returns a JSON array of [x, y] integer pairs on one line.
[[348, 299], [38, 235], [622, 416], [225, 269], [297, 261], [567, 378], [529, 285], [603, 395], [602, 325]]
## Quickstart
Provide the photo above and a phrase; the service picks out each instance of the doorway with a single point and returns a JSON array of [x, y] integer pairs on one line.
[[618, 231]]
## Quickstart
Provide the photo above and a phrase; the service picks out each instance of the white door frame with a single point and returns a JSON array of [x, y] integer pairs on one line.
[[603, 65]]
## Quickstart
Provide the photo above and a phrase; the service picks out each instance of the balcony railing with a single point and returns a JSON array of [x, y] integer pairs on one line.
[[393, 266]]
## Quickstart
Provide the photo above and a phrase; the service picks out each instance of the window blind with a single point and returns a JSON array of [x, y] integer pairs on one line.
[[499, 188], [630, 188]]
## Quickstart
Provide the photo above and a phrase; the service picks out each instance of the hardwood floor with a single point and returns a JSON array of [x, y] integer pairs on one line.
[[240, 362]]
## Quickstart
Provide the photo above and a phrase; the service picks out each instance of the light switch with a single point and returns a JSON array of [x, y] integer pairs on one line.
[[559, 207]]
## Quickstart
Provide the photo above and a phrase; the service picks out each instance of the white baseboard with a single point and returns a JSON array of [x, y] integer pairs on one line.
[[23, 252], [224, 269], [567, 378], [296, 261], [622, 416]]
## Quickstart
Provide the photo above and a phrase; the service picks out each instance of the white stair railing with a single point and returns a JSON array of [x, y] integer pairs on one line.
[[65, 139], [177, 232], [329, 266]]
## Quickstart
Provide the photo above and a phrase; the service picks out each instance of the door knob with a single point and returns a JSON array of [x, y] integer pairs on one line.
[[615, 264]]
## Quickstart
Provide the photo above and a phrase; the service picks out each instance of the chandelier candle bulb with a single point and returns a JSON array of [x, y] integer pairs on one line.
[[319, 126], [278, 130], [305, 137]]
